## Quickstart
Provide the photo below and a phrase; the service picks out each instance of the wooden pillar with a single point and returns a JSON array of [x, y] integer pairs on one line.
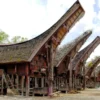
[[54, 83], [75, 81], [42, 82], [50, 69], [17, 82], [27, 80], [36, 85], [2, 84], [12, 80], [27, 85], [22, 84], [70, 75], [94, 80], [67, 85], [84, 81], [58, 83]]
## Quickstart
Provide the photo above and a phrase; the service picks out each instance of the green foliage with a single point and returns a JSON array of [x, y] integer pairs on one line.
[[17, 39], [90, 63], [3, 37]]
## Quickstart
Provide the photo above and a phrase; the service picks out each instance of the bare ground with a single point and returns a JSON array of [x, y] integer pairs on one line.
[[88, 94]]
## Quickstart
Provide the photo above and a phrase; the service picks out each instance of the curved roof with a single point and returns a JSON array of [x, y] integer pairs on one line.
[[85, 53], [20, 51], [91, 68], [65, 50], [25, 51]]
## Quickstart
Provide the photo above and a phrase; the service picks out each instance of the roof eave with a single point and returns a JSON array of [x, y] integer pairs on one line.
[[14, 62]]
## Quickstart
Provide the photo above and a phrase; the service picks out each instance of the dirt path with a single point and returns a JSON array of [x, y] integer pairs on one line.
[[88, 94]]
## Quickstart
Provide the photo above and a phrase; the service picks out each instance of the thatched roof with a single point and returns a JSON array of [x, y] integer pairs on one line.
[[82, 55], [91, 66], [20, 52], [65, 49], [25, 51]]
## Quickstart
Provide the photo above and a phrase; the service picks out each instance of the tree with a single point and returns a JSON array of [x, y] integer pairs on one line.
[[90, 63], [3, 37], [17, 39]]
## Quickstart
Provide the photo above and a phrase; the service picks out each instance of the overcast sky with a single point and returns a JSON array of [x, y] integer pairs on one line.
[[29, 18]]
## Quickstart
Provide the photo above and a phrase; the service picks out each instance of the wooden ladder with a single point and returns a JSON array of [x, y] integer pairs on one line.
[[10, 84]]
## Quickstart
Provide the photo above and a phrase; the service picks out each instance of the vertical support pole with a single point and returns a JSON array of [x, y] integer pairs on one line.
[[61, 81], [2, 83], [50, 69], [75, 81], [36, 85], [55, 83], [84, 81], [17, 82], [42, 82], [12, 80], [67, 85], [70, 75], [58, 83], [22, 84], [94, 80], [27, 85], [27, 80]]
